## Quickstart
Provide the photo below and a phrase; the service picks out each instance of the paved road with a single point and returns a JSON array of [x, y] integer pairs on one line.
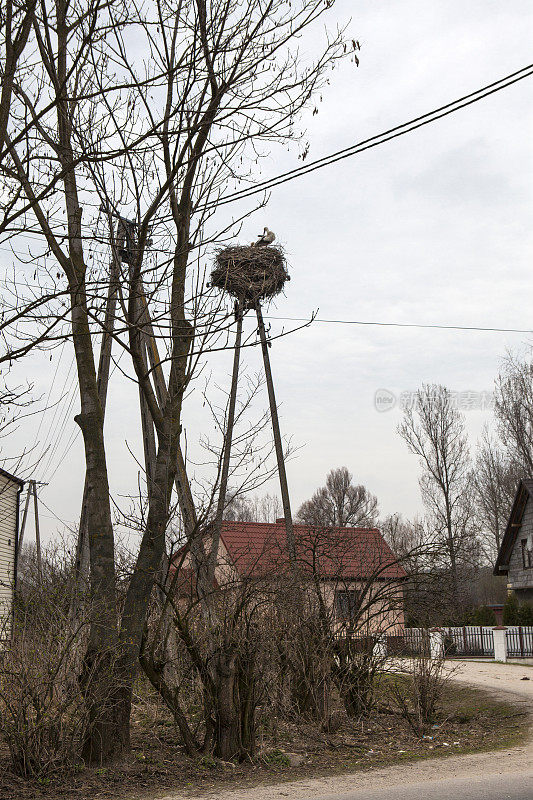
[[502, 775], [493, 787]]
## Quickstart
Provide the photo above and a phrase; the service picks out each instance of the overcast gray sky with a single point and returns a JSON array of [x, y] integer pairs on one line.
[[432, 228]]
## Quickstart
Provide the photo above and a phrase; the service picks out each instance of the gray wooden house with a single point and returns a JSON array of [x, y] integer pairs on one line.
[[10, 488], [515, 558]]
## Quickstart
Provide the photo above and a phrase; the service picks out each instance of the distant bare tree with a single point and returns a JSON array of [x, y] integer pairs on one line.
[[340, 503], [266, 508], [514, 411], [434, 430], [495, 478], [404, 536]]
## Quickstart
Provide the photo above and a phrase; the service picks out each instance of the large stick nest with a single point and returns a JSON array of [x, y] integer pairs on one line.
[[250, 273]]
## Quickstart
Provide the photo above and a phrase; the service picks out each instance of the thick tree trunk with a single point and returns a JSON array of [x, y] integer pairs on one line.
[[228, 738], [107, 696], [109, 710], [108, 713], [108, 699]]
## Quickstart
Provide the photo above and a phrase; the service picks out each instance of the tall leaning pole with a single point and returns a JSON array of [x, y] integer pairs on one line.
[[252, 275]]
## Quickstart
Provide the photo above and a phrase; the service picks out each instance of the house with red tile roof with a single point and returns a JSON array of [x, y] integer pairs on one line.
[[357, 573]]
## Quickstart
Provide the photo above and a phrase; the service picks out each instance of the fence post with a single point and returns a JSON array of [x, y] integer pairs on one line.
[[380, 646], [436, 643], [500, 643]]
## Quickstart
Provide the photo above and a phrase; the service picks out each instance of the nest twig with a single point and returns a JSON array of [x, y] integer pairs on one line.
[[250, 273]]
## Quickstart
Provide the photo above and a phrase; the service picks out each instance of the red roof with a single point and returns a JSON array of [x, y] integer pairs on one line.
[[257, 548]]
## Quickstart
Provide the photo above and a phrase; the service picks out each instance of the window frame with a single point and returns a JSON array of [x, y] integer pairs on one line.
[[347, 604], [527, 560]]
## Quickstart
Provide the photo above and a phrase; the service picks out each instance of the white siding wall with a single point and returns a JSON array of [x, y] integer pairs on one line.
[[8, 532]]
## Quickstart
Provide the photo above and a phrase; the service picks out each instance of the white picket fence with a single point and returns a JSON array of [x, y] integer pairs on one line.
[[475, 641]]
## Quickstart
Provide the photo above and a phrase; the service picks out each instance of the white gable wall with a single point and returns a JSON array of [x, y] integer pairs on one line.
[[8, 535]]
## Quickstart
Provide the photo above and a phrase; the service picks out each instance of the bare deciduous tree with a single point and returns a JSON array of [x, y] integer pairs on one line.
[[265, 508], [434, 430], [157, 132], [514, 411], [16, 20], [404, 537], [340, 503], [495, 478]]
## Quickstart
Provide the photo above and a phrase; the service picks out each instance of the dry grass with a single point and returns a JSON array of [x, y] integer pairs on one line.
[[470, 721]]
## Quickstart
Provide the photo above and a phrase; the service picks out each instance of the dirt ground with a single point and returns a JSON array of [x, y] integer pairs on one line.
[[510, 683], [290, 754]]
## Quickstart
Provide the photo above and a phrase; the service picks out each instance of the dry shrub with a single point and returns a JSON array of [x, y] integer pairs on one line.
[[308, 656], [250, 273], [302, 648], [42, 710], [213, 671], [356, 664], [417, 692]]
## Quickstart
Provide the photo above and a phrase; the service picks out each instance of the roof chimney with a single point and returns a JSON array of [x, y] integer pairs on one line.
[[280, 521]]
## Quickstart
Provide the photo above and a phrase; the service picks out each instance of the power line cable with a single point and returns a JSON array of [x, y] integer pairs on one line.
[[69, 527], [47, 404], [76, 431], [381, 138], [66, 451], [63, 429], [58, 430], [57, 410], [400, 324], [366, 144]]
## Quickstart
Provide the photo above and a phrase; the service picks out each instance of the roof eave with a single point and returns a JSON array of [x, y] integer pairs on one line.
[[11, 477], [523, 492]]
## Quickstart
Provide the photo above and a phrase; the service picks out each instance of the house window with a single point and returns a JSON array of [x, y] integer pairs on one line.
[[527, 557], [347, 603]]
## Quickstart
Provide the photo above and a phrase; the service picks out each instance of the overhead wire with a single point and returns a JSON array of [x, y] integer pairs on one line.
[[374, 141], [64, 427], [366, 144], [69, 527], [76, 431], [57, 410], [57, 426], [47, 404], [401, 324], [381, 138]]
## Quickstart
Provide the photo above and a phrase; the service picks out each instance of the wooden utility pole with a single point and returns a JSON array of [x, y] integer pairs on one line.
[[277, 440], [32, 490], [37, 533], [149, 444], [24, 516]]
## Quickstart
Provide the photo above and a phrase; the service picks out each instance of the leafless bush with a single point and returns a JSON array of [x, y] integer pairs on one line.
[[355, 667], [43, 713], [417, 691], [306, 652], [212, 669]]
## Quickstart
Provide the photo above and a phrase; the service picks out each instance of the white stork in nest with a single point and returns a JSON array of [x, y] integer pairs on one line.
[[266, 238]]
